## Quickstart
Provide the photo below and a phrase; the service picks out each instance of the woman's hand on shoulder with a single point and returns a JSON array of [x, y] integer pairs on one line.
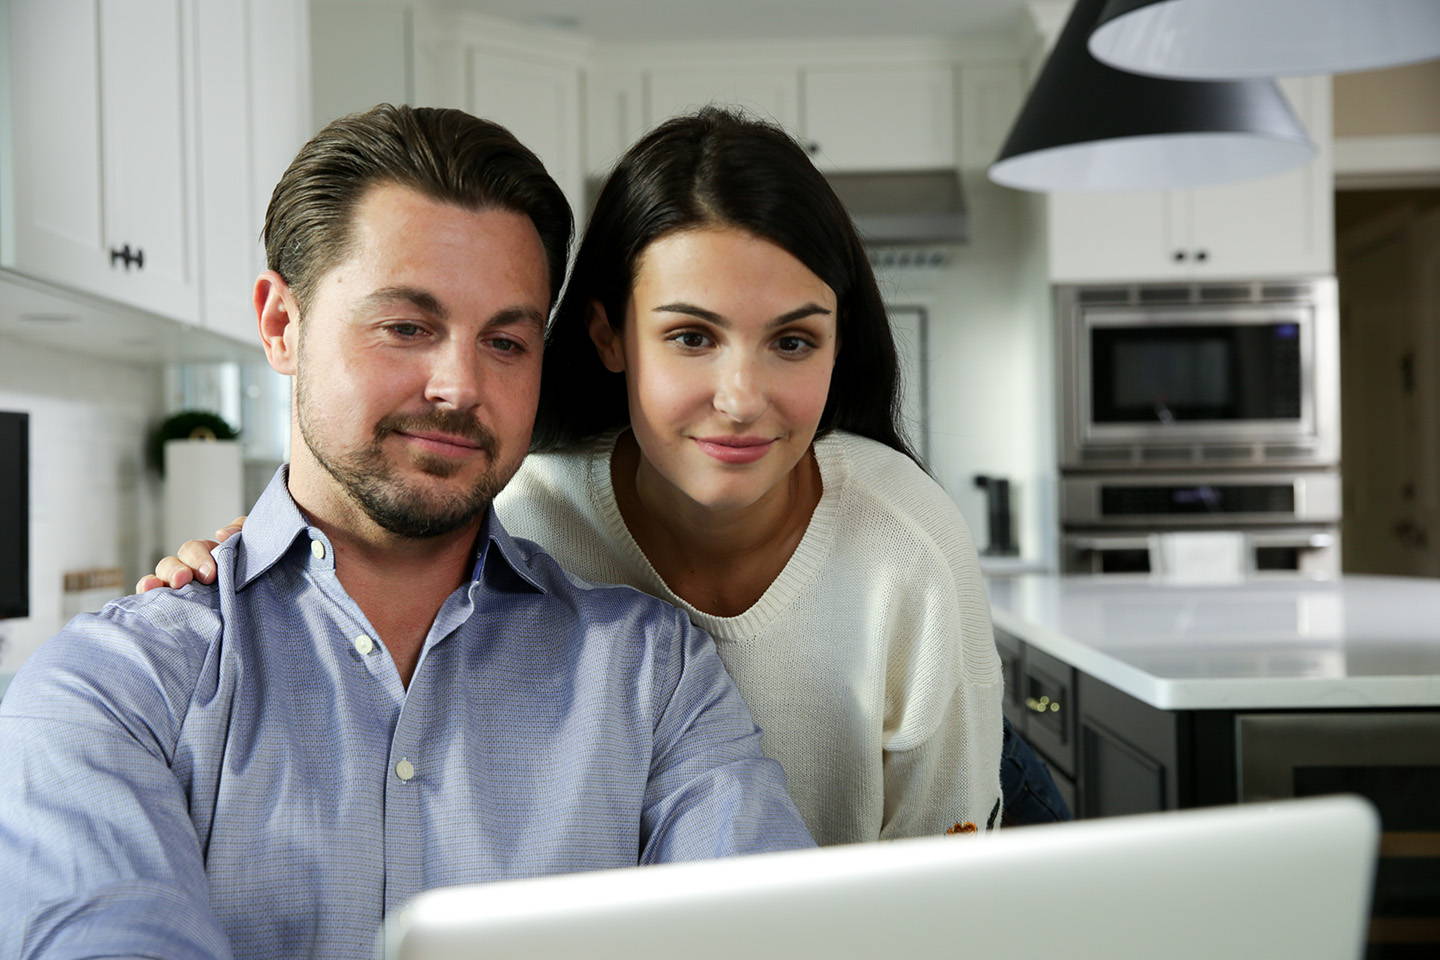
[[191, 562]]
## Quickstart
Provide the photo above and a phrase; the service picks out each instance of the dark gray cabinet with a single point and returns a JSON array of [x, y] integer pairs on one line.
[[1118, 755]]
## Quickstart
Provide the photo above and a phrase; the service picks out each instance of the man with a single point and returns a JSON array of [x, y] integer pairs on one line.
[[382, 692]]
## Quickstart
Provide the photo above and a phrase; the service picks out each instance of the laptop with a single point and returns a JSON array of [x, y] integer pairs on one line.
[[1272, 881]]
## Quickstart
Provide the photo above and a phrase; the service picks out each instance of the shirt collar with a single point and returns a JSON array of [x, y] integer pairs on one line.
[[275, 523]]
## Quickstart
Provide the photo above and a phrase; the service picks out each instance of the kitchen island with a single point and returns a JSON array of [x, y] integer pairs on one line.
[[1143, 696]]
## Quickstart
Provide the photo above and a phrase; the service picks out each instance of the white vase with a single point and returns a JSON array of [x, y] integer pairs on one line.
[[204, 489]]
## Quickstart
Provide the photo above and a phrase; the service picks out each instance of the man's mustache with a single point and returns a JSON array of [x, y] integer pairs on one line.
[[452, 422]]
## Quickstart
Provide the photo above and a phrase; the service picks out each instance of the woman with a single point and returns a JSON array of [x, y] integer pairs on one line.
[[718, 426]]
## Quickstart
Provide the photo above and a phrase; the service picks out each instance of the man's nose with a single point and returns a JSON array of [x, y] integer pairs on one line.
[[456, 379], [740, 393]]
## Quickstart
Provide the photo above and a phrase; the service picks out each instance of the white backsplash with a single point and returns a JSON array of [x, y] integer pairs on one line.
[[93, 503]]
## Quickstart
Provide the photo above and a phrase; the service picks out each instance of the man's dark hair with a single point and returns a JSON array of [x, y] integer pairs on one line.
[[447, 155], [717, 168]]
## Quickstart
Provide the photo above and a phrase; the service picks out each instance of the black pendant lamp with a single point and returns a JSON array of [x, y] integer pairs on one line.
[[1200, 39], [1087, 126]]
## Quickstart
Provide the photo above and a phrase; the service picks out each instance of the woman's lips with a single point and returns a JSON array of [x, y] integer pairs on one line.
[[735, 449]]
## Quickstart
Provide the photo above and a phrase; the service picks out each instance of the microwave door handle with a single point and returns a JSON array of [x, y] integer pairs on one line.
[[1099, 544]]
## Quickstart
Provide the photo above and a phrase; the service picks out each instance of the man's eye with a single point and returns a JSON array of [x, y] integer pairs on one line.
[[405, 330], [506, 345]]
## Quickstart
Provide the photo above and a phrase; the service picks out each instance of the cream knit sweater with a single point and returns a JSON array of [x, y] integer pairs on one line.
[[869, 663]]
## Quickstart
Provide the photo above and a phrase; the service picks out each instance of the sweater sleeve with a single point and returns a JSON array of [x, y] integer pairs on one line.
[[944, 683]]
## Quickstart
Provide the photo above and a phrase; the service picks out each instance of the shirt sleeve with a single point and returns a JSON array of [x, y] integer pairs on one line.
[[96, 841], [711, 793]]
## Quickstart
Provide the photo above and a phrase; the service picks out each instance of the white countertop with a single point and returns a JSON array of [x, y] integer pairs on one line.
[[1264, 643]]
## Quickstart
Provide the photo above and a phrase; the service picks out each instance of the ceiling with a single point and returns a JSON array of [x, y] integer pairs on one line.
[[653, 20]]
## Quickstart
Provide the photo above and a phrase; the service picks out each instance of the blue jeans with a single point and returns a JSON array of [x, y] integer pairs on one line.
[[1030, 792]]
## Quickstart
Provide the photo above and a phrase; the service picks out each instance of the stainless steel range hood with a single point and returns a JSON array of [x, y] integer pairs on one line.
[[905, 207]]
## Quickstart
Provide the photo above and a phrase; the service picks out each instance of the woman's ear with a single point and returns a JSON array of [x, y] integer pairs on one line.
[[608, 342]]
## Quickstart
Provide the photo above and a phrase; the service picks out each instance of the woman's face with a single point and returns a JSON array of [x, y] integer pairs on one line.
[[727, 348]]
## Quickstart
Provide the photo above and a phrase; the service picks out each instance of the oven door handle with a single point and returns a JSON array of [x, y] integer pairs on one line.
[[1312, 541]]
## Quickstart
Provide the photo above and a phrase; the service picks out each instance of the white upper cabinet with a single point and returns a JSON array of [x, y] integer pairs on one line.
[[252, 91], [145, 138], [770, 92], [538, 101], [1276, 226], [881, 117], [851, 117], [104, 150]]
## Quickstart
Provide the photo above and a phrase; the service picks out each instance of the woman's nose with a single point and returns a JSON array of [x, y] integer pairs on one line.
[[740, 392]]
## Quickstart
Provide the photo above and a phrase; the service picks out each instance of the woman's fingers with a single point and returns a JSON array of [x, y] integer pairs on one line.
[[230, 529], [195, 555], [174, 572]]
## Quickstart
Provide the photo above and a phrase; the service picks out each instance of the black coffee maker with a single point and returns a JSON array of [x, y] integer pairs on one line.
[[997, 516]]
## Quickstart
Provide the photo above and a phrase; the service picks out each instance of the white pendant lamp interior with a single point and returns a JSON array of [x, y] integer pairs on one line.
[[1211, 39]]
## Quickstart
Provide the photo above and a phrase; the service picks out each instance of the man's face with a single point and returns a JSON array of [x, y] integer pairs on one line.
[[419, 361]]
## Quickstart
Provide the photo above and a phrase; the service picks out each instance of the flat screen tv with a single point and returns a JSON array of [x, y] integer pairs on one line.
[[14, 515]]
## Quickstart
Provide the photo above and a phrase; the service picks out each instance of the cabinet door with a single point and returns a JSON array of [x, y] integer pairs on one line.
[[991, 96], [148, 160], [103, 150], [882, 117], [773, 93], [253, 115], [1277, 226], [1100, 237], [58, 229], [536, 100]]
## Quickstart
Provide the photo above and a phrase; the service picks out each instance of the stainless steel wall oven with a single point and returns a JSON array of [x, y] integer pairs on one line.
[[1200, 407]]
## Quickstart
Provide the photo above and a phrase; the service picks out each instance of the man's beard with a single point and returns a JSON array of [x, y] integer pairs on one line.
[[370, 479]]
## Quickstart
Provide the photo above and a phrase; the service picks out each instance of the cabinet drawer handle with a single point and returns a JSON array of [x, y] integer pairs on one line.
[[1042, 705]]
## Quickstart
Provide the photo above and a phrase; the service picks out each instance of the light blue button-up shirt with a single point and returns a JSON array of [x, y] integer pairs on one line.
[[237, 769]]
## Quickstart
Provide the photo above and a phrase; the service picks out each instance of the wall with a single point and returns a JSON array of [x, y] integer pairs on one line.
[[989, 379], [92, 503], [1400, 100]]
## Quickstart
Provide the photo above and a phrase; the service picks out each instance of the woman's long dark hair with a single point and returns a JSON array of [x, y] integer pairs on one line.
[[717, 168]]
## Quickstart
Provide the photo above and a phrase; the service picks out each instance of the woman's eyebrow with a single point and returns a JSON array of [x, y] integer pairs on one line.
[[799, 313]]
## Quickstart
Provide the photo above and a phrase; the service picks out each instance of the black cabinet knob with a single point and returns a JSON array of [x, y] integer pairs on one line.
[[1179, 256], [139, 259], [1202, 255]]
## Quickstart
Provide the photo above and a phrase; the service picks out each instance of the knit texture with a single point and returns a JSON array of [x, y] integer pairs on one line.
[[869, 663]]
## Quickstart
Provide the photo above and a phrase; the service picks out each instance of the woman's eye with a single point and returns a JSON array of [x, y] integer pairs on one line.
[[794, 345], [691, 339]]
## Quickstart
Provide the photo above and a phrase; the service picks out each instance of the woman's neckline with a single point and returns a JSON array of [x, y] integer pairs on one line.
[[799, 571]]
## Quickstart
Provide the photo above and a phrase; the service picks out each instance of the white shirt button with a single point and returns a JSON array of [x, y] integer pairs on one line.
[[317, 549], [405, 770], [363, 645]]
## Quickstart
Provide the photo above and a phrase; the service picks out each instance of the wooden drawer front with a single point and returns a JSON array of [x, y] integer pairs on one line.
[[1047, 690]]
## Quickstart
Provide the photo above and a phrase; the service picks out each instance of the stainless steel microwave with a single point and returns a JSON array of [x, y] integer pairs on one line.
[[1208, 375]]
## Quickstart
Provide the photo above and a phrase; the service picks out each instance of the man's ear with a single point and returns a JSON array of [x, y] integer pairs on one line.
[[279, 320], [607, 342]]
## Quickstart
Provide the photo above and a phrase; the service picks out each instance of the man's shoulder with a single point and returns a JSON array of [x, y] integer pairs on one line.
[[134, 663], [557, 581]]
